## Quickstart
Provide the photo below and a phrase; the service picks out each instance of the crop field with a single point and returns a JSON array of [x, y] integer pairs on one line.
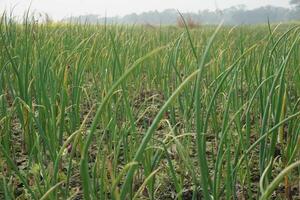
[[146, 112]]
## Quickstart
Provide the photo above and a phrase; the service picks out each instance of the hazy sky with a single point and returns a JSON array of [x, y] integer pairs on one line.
[[63, 8]]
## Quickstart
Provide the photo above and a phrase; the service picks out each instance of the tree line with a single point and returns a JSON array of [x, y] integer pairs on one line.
[[232, 16]]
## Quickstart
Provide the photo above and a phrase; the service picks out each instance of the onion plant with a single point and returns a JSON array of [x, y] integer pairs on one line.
[[148, 112]]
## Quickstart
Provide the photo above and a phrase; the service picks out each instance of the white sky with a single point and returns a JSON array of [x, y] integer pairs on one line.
[[64, 8]]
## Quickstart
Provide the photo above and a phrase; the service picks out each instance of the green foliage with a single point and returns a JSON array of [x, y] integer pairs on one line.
[[138, 112]]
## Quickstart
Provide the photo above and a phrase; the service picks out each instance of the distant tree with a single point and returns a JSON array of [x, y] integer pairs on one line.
[[191, 23], [295, 3], [295, 13]]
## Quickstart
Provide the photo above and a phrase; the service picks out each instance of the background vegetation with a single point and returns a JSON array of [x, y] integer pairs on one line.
[[236, 15]]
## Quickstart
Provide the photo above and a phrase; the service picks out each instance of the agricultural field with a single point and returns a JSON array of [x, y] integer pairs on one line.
[[146, 112]]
